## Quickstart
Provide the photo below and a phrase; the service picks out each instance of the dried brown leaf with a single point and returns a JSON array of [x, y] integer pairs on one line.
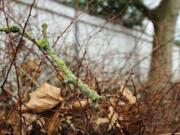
[[44, 98], [128, 95]]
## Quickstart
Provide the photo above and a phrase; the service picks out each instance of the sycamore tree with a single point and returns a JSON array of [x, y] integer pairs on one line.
[[133, 12]]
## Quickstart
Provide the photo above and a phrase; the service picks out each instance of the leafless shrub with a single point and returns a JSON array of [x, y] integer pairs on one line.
[[130, 106]]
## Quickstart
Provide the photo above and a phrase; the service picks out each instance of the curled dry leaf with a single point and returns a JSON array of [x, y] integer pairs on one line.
[[44, 98], [111, 119], [100, 121], [80, 104], [128, 95]]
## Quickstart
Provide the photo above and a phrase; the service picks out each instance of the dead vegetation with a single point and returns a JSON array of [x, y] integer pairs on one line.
[[51, 110], [36, 101]]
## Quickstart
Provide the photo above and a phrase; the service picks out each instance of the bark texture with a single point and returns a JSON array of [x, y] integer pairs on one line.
[[164, 20]]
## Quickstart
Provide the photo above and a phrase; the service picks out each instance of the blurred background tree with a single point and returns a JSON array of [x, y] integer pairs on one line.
[[131, 13]]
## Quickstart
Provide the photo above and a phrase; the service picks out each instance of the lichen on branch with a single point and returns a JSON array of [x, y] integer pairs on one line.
[[69, 77]]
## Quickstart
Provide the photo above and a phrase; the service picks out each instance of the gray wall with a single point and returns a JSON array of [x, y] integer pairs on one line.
[[110, 44]]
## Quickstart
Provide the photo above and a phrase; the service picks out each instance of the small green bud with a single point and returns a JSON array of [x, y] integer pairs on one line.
[[44, 26], [14, 29]]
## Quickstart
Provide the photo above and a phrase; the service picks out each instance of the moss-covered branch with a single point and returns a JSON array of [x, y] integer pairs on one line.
[[69, 77]]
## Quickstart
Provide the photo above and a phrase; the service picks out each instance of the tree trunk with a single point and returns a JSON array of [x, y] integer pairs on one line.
[[164, 20]]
